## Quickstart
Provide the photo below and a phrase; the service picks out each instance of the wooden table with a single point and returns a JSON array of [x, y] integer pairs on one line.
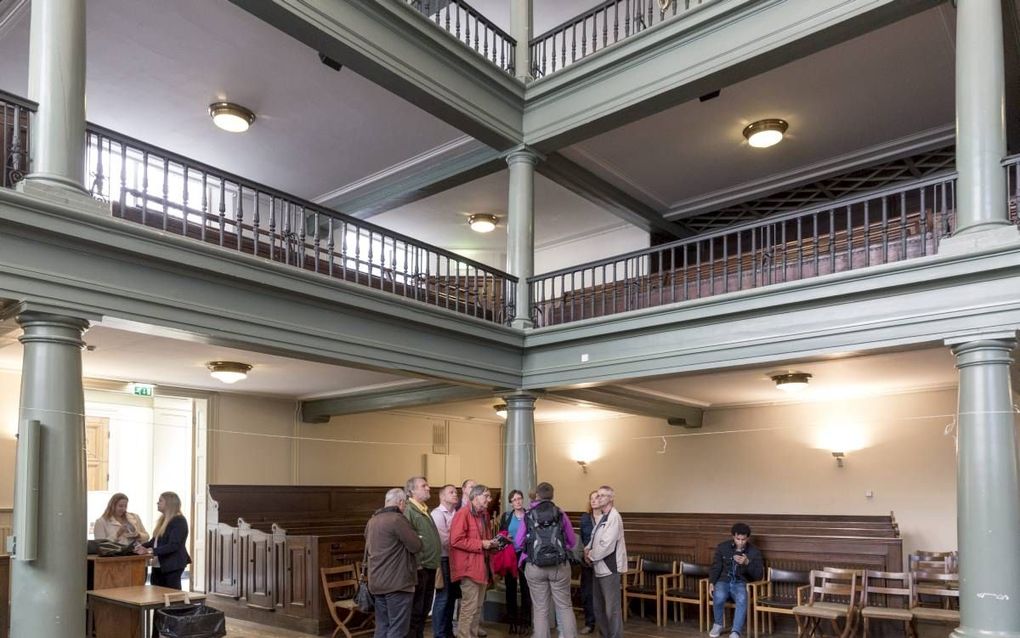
[[122, 612]]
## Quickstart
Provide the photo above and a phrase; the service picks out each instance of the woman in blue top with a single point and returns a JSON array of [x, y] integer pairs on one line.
[[587, 571], [519, 615]]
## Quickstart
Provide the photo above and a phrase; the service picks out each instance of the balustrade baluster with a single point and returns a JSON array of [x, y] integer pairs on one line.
[[166, 191], [626, 22], [184, 201], [145, 184], [223, 207], [256, 224], [205, 202], [605, 27], [616, 22], [573, 42], [584, 37], [903, 226], [343, 247], [97, 184], [239, 217], [885, 230], [317, 239], [123, 180], [331, 249], [923, 221], [867, 233]]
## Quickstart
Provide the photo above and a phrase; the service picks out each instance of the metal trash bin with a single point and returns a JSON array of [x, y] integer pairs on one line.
[[189, 620]]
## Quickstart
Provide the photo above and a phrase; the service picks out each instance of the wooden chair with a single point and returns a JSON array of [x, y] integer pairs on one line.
[[833, 598], [887, 596], [686, 587], [944, 562], [648, 586], [338, 586], [945, 588], [777, 594]]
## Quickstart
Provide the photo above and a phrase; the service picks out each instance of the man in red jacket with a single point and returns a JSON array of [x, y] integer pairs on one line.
[[470, 540]]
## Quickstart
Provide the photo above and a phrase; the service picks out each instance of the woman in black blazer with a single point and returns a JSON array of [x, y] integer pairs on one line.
[[168, 545]]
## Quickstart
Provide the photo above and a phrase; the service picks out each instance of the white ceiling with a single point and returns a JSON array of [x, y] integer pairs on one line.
[[122, 355], [874, 89]]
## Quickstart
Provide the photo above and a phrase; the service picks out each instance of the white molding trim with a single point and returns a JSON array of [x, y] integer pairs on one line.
[[454, 148], [902, 147]]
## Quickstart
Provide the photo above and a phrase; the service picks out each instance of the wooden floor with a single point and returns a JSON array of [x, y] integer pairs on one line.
[[634, 628]]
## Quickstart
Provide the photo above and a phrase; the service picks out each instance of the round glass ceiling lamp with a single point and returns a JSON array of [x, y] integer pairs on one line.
[[792, 382], [483, 223], [231, 117], [228, 371], [765, 133]]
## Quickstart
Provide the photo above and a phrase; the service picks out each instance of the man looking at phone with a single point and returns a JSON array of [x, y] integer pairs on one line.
[[736, 563]]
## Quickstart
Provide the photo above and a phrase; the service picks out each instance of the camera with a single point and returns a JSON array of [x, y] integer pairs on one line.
[[499, 542]]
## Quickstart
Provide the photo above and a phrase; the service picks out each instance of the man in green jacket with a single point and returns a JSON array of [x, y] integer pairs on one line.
[[417, 513]]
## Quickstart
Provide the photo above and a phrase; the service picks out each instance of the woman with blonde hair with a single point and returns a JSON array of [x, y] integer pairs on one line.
[[168, 545], [119, 525]]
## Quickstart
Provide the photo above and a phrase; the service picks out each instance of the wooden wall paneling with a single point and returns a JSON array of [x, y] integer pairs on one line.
[[223, 561], [300, 574], [256, 567]]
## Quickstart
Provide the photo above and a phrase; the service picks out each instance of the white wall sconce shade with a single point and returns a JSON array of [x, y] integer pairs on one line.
[[483, 223], [765, 133], [231, 117], [228, 371]]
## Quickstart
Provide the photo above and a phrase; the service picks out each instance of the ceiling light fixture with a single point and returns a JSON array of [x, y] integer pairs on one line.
[[228, 371], [231, 117], [791, 381], [483, 223], [765, 133], [500, 409]]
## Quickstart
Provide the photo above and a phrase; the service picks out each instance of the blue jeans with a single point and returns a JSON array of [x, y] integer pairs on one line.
[[735, 590], [442, 607]]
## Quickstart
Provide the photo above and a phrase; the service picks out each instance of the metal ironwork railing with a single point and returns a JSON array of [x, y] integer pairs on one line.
[[15, 116], [468, 25], [160, 189], [880, 227], [600, 27]]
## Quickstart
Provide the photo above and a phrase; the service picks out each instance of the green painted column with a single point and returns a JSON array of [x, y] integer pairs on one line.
[[521, 25], [519, 465], [988, 492], [980, 116], [56, 80], [520, 244], [48, 567]]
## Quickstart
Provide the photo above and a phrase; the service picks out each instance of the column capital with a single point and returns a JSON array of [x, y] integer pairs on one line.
[[984, 351], [41, 327], [522, 154], [521, 399]]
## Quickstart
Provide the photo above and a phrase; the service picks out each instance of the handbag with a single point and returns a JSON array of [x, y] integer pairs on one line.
[[363, 600]]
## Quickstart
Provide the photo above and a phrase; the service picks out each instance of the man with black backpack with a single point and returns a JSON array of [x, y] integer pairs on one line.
[[549, 537]]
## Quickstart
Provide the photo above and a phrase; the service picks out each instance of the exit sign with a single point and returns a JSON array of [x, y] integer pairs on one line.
[[142, 389]]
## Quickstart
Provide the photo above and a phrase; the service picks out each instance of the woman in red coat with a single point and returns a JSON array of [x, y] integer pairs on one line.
[[470, 540]]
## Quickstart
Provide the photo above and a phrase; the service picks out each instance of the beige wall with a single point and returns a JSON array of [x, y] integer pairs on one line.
[[386, 448], [10, 390], [250, 440], [776, 460]]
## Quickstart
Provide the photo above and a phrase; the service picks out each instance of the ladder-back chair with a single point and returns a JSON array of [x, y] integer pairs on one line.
[[833, 598]]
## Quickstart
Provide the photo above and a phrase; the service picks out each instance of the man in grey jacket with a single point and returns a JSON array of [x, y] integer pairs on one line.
[[607, 553], [392, 544]]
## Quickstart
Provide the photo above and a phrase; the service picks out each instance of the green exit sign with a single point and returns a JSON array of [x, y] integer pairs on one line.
[[142, 389]]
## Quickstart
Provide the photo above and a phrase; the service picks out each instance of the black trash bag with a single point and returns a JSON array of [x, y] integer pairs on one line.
[[190, 621]]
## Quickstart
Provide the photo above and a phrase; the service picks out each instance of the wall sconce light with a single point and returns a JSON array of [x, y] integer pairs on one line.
[[500, 409], [839, 456], [584, 466]]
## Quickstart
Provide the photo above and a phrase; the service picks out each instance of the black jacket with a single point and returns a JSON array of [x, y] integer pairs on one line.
[[172, 548], [722, 563]]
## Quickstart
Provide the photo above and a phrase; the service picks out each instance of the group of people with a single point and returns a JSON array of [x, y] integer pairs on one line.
[[168, 545], [414, 556]]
